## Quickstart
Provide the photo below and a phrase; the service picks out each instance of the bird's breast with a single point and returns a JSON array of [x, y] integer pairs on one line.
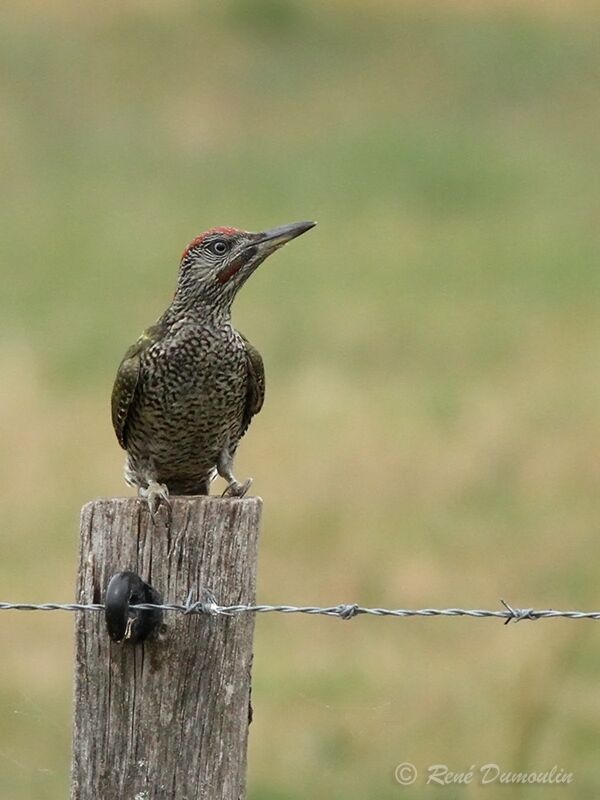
[[190, 402], [195, 373]]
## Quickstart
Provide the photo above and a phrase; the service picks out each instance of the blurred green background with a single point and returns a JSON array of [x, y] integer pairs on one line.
[[431, 430]]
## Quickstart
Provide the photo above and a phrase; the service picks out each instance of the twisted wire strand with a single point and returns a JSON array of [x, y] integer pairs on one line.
[[344, 611]]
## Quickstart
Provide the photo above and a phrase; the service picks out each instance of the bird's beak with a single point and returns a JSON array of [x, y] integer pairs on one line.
[[258, 247], [269, 241]]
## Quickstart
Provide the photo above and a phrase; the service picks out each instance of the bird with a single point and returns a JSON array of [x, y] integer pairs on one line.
[[186, 391]]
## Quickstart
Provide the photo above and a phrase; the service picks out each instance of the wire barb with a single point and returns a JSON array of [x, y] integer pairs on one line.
[[206, 605], [349, 611], [518, 614]]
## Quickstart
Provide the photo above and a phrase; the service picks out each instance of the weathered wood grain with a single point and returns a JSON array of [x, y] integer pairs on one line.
[[167, 718]]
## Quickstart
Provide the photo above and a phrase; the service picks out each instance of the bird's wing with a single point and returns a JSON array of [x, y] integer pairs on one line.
[[126, 383], [255, 393]]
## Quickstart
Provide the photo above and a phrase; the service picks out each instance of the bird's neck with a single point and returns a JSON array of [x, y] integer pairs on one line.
[[196, 311]]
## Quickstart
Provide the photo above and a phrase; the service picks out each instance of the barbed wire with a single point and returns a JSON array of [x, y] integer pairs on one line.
[[344, 611]]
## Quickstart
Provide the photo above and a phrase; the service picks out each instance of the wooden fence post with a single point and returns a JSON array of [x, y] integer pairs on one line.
[[166, 718]]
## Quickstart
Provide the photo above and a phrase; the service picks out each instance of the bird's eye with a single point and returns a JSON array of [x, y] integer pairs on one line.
[[219, 247]]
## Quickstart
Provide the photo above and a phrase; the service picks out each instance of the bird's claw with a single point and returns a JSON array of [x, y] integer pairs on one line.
[[237, 489], [156, 495]]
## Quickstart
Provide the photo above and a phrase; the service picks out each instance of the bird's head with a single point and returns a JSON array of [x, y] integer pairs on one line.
[[218, 262]]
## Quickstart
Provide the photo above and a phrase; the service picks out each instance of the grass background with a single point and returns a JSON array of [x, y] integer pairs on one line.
[[431, 430]]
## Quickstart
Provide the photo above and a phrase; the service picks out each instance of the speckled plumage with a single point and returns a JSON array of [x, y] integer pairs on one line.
[[186, 391]]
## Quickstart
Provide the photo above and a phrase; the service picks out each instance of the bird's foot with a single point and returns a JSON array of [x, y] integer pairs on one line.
[[156, 495], [237, 489]]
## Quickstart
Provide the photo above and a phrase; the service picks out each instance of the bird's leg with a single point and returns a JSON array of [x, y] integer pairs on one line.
[[224, 468], [156, 494]]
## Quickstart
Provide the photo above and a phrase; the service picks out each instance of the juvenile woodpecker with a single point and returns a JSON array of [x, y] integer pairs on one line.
[[186, 391]]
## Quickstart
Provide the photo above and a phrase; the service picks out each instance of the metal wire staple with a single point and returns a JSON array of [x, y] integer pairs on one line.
[[209, 606]]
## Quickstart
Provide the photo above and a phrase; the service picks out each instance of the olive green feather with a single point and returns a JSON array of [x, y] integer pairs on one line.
[[127, 379], [256, 384]]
